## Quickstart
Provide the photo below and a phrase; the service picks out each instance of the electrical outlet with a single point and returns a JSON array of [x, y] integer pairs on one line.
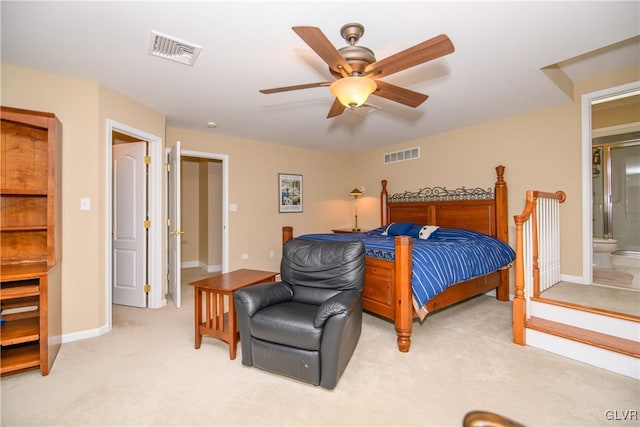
[[272, 253], [244, 256]]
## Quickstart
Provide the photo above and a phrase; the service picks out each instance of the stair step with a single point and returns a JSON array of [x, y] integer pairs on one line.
[[585, 336], [617, 325]]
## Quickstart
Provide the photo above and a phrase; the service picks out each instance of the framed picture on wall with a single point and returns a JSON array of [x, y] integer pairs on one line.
[[290, 192]]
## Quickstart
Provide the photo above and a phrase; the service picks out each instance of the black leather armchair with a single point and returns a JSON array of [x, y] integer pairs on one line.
[[306, 326]]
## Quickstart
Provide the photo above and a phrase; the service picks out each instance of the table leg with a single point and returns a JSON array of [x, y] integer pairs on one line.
[[197, 310], [233, 342]]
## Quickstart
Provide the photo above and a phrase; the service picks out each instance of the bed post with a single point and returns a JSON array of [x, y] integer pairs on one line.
[[383, 203], [287, 234], [502, 228], [404, 297]]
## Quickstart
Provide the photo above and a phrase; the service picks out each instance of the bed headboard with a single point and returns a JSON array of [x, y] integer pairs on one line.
[[478, 209]]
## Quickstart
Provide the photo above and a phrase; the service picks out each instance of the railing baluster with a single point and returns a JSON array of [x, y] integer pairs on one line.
[[537, 264]]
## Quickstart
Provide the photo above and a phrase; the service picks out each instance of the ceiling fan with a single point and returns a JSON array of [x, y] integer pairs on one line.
[[357, 71]]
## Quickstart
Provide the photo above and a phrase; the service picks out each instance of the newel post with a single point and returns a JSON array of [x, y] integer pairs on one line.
[[519, 301]]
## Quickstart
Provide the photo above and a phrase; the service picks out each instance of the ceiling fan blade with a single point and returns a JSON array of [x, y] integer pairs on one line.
[[336, 109], [418, 54], [399, 94], [321, 45], [296, 87]]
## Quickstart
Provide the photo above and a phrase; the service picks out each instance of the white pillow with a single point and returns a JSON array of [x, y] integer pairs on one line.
[[386, 230], [426, 231]]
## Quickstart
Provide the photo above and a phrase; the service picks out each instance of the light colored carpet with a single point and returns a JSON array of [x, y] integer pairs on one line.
[[147, 372], [616, 299]]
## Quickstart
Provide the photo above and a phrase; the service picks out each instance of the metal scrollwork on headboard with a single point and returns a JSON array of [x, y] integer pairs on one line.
[[429, 194]]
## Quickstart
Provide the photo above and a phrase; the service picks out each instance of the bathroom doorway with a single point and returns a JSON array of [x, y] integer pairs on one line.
[[616, 191]]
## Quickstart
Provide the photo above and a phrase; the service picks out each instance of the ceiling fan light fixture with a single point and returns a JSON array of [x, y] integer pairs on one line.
[[352, 92]]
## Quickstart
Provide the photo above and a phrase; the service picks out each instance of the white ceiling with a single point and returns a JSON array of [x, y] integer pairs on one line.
[[247, 46]]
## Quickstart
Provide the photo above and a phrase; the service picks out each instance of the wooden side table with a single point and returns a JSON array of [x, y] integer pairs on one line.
[[216, 290]]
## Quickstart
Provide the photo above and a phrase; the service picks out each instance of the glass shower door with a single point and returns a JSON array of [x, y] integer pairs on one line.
[[625, 196], [598, 186]]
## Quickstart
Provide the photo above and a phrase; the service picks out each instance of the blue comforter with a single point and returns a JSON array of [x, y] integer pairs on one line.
[[447, 257]]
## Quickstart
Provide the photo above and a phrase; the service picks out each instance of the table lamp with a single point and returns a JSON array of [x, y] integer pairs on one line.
[[355, 193]]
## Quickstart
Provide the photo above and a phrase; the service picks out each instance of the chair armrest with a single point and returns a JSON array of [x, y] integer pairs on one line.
[[343, 302], [257, 297]]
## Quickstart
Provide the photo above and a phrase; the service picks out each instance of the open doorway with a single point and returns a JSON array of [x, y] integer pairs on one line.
[[202, 225], [153, 259], [197, 230], [156, 197], [201, 216], [587, 170]]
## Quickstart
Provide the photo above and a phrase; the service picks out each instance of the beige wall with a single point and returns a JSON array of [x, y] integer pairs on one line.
[[615, 113], [255, 229], [203, 211], [201, 215], [468, 157], [190, 209], [540, 149], [214, 195]]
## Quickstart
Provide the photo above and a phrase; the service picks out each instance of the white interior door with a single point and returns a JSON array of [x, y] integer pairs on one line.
[[175, 233], [129, 214]]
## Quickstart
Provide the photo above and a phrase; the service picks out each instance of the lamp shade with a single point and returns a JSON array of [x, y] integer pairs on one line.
[[353, 91], [355, 192]]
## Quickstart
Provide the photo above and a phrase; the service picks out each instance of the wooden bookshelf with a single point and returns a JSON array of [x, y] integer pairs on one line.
[[30, 244]]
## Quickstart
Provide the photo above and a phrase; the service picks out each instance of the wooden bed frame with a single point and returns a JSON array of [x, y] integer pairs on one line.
[[387, 289]]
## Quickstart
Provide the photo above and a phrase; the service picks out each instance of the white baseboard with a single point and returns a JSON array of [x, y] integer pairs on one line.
[[189, 264], [210, 268], [573, 279], [201, 265], [82, 335]]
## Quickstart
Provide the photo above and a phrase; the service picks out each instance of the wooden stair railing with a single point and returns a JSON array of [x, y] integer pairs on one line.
[[537, 237]]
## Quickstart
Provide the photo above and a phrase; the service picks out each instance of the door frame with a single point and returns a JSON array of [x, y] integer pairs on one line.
[[224, 158], [155, 254], [587, 210]]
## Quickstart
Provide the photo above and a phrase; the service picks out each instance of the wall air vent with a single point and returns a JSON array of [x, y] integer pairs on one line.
[[399, 156], [168, 47]]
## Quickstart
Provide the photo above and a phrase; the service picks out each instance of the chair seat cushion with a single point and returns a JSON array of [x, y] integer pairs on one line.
[[289, 323]]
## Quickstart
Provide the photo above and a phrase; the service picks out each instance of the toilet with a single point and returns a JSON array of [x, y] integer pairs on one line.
[[602, 249]]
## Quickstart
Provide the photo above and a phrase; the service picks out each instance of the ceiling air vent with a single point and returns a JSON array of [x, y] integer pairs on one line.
[[168, 47], [399, 156]]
